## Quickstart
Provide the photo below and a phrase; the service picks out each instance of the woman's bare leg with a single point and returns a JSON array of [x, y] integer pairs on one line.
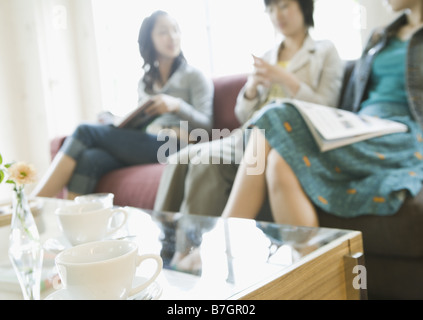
[[249, 189], [56, 178], [290, 205]]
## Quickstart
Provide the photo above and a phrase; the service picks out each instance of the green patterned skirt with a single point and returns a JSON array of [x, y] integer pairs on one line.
[[369, 177]]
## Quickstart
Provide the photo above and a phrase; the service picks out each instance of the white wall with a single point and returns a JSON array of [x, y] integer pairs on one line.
[[23, 122], [48, 73], [377, 14]]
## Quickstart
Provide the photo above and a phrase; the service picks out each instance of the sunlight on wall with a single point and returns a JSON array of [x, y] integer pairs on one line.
[[218, 39], [218, 36], [341, 21]]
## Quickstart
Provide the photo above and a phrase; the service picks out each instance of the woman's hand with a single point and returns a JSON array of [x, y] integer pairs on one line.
[[251, 91], [254, 80], [267, 74], [162, 104]]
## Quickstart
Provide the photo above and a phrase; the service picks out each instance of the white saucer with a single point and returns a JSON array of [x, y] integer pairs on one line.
[[152, 292]]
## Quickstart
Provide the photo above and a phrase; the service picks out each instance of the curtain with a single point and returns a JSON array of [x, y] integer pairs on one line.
[[49, 78]]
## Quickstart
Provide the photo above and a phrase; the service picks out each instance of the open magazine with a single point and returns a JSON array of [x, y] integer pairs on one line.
[[137, 119], [333, 128]]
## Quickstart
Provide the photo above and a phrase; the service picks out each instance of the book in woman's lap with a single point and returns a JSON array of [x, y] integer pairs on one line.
[[333, 128], [137, 119]]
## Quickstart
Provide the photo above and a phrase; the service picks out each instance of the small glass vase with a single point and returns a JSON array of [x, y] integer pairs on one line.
[[25, 250]]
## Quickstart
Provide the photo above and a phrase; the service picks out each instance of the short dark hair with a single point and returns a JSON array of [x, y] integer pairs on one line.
[[307, 8]]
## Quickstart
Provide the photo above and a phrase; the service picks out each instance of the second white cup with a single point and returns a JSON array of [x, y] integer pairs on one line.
[[87, 222]]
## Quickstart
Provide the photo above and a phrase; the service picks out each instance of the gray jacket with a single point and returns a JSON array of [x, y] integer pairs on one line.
[[357, 87], [195, 92]]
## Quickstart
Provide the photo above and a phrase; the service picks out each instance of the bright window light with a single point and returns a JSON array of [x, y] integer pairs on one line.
[[218, 37]]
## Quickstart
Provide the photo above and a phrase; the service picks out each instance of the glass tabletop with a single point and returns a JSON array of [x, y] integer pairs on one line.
[[203, 257], [229, 254]]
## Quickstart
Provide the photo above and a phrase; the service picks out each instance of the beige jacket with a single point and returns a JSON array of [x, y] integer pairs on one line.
[[318, 67]]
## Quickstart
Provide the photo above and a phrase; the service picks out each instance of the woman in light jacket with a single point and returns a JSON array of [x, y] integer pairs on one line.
[[179, 93], [199, 178], [313, 74], [369, 177]]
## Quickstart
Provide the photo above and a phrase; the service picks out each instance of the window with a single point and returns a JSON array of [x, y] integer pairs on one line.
[[218, 36], [341, 21]]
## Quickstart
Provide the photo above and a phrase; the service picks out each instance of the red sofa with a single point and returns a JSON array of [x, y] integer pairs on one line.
[[393, 245], [137, 186]]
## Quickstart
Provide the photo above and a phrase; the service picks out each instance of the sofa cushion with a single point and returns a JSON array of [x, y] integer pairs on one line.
[[398, 235], [134, 186], [226, 90]]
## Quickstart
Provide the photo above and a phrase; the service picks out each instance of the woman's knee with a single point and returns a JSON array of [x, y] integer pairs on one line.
[[81, 131], [276, 171], [89, 133]]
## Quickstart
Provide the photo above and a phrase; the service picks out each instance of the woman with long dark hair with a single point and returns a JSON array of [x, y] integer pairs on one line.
[[178, 92]]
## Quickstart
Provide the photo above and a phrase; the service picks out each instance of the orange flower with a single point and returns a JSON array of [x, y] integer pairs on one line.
[[22, 173]]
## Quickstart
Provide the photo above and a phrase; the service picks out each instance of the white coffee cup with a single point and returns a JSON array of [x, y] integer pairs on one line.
[[105, 198], [87, 222], [103, 270]]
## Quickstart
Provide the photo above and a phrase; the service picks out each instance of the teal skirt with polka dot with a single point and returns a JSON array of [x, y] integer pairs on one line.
[[369, 177]]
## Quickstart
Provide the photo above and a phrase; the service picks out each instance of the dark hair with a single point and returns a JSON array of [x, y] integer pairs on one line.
[[307, 8], [149, 54]]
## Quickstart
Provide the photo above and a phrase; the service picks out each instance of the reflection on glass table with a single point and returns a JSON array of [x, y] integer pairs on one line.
[[222, 257], [214, 258]]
